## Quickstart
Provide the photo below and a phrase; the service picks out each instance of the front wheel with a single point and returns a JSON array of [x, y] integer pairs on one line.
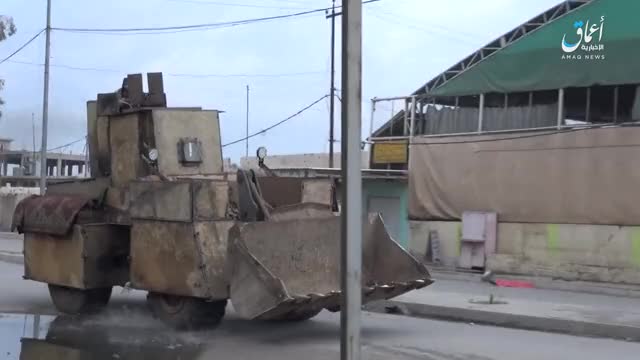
[[186, 313], [74, 301]]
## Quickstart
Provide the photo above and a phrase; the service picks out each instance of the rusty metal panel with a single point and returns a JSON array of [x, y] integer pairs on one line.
[[90, 256], [54, 259], [301, 211], [211, 243], [172, 258], [317, 191], [210, 200], [284, 267], [92, 137], [134, 89], [126, 163], [281, 191], [161, 200], [103, 153], [118, 198], [106, 255], [93, 188], [172, 125], [50, 214]]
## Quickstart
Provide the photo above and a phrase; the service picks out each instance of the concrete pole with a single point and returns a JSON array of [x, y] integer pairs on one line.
[[351, 225], [332, 96], [481, 114], [246, 154], [560, 108], [59, 167], [45, 104], [587, 116]]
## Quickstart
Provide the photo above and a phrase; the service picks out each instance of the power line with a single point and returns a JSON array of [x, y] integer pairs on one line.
[[388, 19], [68, 144], [255, 75], [22, 47], [278, 123], [201, 2], [430, 24], [206, 26]]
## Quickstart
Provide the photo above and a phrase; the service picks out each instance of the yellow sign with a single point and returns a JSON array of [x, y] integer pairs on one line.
[[390, 153]]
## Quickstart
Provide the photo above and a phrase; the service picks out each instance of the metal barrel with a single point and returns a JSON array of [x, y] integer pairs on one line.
[[279, 269]]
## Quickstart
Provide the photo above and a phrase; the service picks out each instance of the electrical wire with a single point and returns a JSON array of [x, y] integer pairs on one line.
[[205, 26], [278, 123], [84, 138], [276, 75], [197, 27], [451, 35], [22, 47], [202, 2]]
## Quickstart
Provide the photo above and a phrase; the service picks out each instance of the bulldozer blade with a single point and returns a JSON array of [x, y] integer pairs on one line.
[[283, 268]]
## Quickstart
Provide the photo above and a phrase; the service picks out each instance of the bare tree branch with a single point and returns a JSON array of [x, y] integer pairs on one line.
[[7, 29]]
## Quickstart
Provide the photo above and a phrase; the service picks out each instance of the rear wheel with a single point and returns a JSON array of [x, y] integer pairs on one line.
[[79, 301], [186, 313]]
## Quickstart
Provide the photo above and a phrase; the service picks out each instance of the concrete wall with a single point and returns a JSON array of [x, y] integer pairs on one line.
[[9, 198], [449, 233], [565, 251], [299, 161]]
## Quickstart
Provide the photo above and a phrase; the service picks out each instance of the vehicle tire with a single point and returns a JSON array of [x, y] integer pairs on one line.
[[74, 301], [296, 316], [186, 313]]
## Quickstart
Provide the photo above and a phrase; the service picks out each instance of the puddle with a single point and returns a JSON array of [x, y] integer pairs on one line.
[[122, 336]]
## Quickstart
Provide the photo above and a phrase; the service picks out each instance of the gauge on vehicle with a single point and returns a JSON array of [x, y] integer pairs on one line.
[[261, 153], [153, 154]]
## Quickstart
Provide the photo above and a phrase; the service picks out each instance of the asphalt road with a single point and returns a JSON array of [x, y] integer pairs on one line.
[[127, 331]]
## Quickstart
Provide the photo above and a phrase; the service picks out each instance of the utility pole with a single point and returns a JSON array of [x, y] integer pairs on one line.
[[33, 133], [32, 164], [45, 104], [333, 84], [247, 127], [351, 217]]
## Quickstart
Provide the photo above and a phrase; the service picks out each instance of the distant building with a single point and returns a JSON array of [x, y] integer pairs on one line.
[[539, 127], [22, 167], [318, 160]]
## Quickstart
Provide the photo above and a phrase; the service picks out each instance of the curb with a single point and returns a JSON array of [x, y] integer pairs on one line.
[[611, 289], [12, 258], [515, 321]]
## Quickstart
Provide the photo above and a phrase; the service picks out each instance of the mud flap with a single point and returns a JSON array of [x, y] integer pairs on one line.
[[279, 268]]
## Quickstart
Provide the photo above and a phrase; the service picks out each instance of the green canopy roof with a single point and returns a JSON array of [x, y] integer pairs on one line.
[[575, 44]]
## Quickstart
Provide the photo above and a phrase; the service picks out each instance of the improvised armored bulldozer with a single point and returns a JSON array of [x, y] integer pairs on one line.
[[160, 215]]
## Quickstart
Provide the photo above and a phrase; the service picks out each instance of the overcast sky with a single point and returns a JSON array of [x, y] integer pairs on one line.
[[406, 43]]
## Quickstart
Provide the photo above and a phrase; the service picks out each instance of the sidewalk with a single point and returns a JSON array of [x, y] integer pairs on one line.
[[568, 312]]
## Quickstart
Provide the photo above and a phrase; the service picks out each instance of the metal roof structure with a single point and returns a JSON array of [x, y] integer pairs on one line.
[[500, 43]]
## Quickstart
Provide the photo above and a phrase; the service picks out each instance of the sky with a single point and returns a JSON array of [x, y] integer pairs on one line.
[[285, 62]]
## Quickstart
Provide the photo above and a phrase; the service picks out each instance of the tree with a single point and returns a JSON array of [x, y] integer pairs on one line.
[[7, 28]]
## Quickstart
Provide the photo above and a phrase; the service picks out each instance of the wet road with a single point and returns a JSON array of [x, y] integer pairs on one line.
[[127, 331]]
